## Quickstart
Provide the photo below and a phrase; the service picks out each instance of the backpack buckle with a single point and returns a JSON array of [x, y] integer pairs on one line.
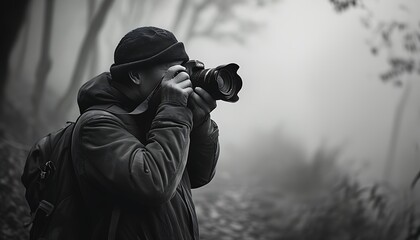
[[43, 174], [48, 169], [46, 206]]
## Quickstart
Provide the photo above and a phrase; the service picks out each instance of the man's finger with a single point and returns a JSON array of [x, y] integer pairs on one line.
[[192, 100], [185, 84], [200, 103], [206, 96], [189, 90], [182, 76], [170, 73]]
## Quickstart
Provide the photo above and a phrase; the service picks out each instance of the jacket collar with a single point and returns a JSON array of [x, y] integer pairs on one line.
[[133, 96]]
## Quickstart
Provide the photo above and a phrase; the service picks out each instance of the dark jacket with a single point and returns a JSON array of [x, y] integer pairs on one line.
[[146, 164]]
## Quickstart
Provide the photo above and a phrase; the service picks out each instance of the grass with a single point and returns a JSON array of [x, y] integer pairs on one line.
[[300, 200], [13, 208], [350, 211]]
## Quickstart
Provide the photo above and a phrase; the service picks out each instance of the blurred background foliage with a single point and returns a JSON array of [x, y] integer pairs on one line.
[[266, 187]]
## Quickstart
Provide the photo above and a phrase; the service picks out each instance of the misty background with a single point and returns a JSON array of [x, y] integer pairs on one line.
[[331, 95]]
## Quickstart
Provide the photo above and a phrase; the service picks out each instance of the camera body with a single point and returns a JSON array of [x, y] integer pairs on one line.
[[222, 82]]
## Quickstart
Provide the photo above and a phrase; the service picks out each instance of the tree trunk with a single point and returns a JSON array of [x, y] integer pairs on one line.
[[16, 72], [12, 15], [182, 7], [82, 59], [45, 62], [94, 55], [396, 127], [198, 9]]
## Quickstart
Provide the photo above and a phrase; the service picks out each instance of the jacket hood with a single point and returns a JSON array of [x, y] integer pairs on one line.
[[99, 91]]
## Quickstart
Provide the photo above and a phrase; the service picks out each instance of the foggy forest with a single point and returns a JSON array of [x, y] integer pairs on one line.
[[324, 142]]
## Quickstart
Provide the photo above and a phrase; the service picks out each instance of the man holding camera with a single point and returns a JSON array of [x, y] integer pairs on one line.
[[143, 141]]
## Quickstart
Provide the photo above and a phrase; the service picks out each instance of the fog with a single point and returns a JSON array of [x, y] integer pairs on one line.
[[308, 73], [312, 86]]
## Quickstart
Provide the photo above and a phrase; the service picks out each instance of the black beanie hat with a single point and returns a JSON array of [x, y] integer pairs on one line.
[[145, 47]]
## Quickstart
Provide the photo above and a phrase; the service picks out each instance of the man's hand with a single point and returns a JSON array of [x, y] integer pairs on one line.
[[201, 104], [176, 88]]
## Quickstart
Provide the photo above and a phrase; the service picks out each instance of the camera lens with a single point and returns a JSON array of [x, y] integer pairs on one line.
[[222, 82], [225, 83]]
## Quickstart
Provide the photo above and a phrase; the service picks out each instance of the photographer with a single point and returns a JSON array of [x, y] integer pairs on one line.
[[143, 141]]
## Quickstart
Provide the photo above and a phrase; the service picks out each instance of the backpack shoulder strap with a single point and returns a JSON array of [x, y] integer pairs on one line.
[[113, 109], [116, 212]]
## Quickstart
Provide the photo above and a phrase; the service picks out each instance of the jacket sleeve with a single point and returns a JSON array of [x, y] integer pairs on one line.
[[203, 153], [115, 161]]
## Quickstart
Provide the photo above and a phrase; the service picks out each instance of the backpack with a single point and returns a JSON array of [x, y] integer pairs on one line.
[[52, 190]]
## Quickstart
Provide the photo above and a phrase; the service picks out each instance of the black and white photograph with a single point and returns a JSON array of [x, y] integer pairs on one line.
[[210, 120]]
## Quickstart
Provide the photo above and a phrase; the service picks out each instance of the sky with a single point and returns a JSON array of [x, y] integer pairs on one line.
[[308, 75]]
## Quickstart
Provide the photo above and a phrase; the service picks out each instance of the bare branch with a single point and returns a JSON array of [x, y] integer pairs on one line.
[[224, 14], [197, 10], [90, 9], [81, 62], [180, 13]]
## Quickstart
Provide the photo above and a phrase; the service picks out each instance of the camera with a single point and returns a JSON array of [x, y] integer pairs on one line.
[[222, 83]]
